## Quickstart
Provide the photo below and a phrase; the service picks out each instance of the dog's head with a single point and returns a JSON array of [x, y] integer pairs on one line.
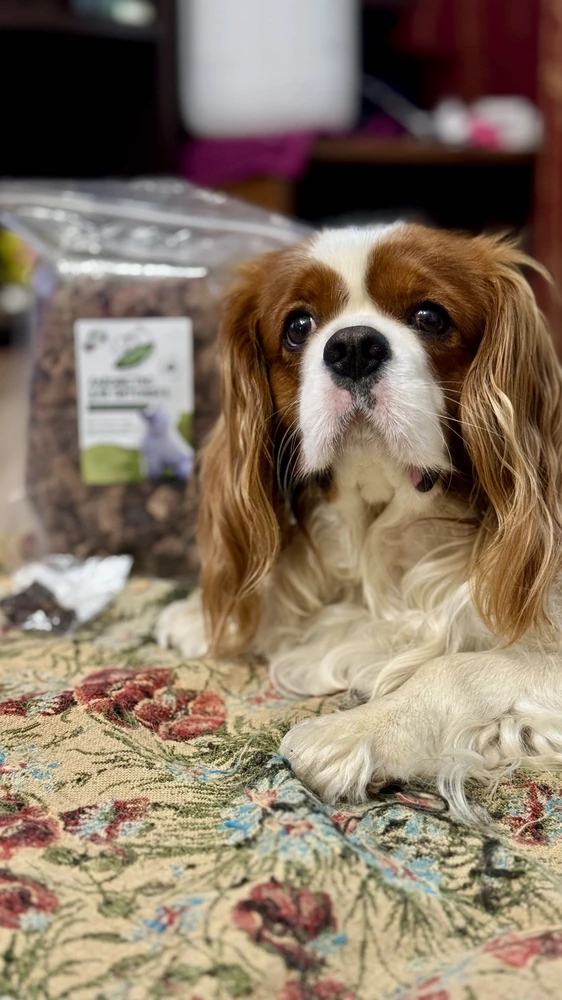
[[429, 345]]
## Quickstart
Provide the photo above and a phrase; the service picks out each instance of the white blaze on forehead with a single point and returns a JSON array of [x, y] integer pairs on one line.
[[402, 414], [347, 252]]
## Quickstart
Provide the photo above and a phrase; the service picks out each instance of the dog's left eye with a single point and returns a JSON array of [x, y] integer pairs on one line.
[[431, 319], [298, 327]]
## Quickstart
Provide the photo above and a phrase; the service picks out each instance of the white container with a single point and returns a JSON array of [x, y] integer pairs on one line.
[[264, 67]]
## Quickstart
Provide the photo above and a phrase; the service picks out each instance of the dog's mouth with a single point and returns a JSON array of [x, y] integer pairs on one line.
[[345, 421], [358, 426]]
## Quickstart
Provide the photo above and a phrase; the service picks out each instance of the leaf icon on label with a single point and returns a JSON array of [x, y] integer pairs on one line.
[[134, 356]]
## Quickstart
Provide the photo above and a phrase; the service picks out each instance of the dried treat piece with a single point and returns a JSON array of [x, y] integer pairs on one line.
[[37, 610], [163, 503]]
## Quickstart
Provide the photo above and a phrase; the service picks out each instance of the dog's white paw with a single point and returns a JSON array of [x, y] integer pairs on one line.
[[293, 679], [348, 755], [181, 625], [334, 756]]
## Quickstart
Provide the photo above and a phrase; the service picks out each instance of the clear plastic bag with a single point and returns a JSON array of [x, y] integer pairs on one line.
[[124, 384]]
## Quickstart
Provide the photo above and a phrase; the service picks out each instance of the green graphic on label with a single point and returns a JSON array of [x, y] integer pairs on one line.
[[135, 399], [107, 463], [185, 427], [135, 356]]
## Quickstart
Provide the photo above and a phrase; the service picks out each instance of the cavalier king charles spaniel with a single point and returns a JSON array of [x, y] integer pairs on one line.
[[382, 507]]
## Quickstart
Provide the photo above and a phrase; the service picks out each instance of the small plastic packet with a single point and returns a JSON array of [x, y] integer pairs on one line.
[[54, 595]]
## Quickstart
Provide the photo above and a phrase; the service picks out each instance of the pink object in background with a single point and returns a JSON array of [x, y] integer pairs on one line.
[[212, 162], [484, 134]]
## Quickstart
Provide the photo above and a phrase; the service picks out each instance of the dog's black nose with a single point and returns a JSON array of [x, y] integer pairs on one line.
[[356, 352]]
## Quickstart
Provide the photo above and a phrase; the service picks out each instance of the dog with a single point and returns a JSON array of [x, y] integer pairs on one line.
[[382, 507]]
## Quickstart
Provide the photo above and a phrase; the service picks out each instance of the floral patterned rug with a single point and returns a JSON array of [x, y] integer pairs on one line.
[[153, 844]]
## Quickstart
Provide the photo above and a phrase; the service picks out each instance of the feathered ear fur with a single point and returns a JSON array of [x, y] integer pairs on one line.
[[238, 527], [512, 425]]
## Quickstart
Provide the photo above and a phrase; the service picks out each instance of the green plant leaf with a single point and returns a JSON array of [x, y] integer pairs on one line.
[[107, 861], [116, 905], [60, 856], [126, 965], [234, 979], [183, 974], [104, 936]]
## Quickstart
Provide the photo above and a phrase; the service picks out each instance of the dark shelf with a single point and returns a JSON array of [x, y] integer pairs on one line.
[[367, 149], [43, 17], [127, 122]]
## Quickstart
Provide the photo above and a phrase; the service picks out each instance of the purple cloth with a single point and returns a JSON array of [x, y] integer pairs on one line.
[[212, 162]]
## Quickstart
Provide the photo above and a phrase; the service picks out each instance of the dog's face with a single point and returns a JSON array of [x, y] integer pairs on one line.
[[424, 346], [374, 328]]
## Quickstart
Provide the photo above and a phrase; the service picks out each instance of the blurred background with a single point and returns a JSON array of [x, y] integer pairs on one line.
[[329, 110]]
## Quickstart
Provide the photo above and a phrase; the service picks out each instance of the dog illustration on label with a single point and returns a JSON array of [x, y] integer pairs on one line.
[[164, 451]]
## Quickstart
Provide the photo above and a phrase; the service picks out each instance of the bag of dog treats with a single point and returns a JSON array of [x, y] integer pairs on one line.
[[124, 385]]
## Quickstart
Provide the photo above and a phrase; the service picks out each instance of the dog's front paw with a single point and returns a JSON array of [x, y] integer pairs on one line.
[[293, 678], [334, 756], [181, 625], [349, 754]]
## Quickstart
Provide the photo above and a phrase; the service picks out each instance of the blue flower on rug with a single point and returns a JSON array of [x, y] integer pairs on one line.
[[412, 875], [244, 821], [299, 835]]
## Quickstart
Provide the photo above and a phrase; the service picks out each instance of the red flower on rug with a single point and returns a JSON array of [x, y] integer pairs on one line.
[[284, 919], [19, 896], [177, 714], [38, 703], [346, 822], [537, 803], [148, 697], [106, 821], [326, 989], [114, 693], [518, 950], [24, 826]]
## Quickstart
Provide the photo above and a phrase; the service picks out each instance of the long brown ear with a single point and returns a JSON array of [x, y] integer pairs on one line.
[[512, 425], [238, 527]]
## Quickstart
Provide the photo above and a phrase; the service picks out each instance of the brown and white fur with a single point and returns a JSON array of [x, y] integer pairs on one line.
[[442, 608]]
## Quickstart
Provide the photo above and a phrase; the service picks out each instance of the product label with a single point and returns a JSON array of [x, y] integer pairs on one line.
[[135, 399]]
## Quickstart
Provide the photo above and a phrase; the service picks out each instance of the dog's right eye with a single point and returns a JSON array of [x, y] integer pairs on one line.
[[431, 319], [298, 327]]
